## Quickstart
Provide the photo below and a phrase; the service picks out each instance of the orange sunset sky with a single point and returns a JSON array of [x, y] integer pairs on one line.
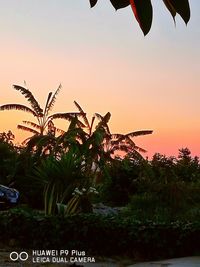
[[104, 62]]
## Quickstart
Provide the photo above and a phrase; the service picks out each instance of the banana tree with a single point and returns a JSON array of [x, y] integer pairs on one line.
[[44, 123], [124, 143], [101, 143]]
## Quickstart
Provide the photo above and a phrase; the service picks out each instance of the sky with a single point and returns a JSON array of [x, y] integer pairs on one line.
[[104, 62]]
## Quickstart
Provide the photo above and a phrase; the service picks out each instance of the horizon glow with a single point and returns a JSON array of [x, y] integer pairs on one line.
[[104, 63]]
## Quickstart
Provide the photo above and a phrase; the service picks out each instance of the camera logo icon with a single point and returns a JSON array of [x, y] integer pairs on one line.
[[22, 256]]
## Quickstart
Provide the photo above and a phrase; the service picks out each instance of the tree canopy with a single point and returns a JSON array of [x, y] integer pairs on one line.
[[143, 10]]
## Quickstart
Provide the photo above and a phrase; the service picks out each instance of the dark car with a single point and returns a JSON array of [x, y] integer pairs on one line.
[[9, 197]]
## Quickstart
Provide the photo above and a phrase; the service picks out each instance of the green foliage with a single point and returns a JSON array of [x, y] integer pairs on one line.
[[187, 168], [30, 191], [118, 186], [8, 156], [164, 189], [166, 203], [7, 138], [90, 232], [175, 200], [60, 177], [79, 203], [50, 170], [143, 10]]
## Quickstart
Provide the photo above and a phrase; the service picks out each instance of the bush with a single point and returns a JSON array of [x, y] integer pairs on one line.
[[166, 202], [119, 184], [98, 235]]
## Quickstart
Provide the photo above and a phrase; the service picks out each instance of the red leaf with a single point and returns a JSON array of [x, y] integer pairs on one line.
[[143, 12]]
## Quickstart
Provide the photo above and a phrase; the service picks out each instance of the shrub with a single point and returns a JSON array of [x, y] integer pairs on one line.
[[99, 235], [119, 184], [166, 202]]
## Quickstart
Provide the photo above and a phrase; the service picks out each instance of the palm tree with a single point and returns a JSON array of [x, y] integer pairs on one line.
[[44, 125]]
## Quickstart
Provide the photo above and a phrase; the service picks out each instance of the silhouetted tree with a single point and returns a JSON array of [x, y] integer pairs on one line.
[[44, 125]]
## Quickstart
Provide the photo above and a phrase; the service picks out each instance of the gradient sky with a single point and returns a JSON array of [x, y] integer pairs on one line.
[[106, 64]]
